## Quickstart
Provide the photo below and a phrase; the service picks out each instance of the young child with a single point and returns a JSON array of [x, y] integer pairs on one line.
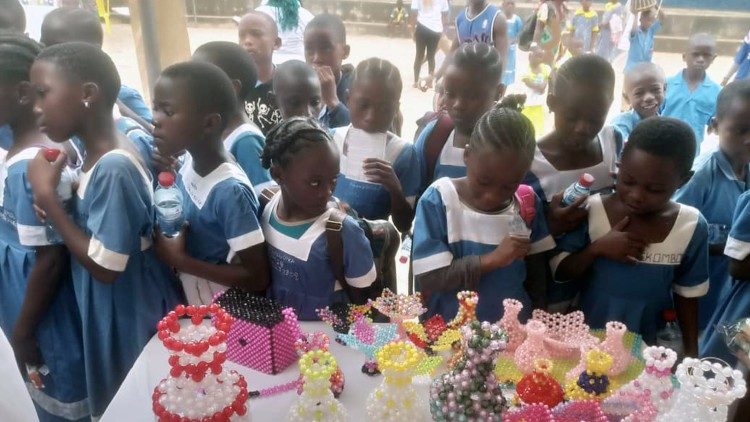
[[380, 172], [242, 139], [259, 36], [642, 37], [643, 89], [573, 48], [610, 30], [536, 81], [719, 180], [471, 87], [193, 103], [398, 18], [691, 94], [325, 49], [121, 288], [515, 25], [584, 25], [464, 235], [639, 252], [304, 162], [38, 309], [296, 89]]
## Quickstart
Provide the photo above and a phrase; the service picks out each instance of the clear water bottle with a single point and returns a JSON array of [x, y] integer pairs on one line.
[[518, 227], [578, 189], [168, 203], [64, 192], [671, 336], [405, 253]]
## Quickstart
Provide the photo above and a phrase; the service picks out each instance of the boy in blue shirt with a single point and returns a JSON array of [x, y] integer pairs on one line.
[[644, 90], [691, 94], [642, 37]]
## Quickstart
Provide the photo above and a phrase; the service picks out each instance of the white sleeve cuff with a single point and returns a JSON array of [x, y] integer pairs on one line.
[[691, 291], [32, 235], [737, 249], [432, 262], [110, 260], [542, 245], [247, 240], [555, 262], [363, 281]]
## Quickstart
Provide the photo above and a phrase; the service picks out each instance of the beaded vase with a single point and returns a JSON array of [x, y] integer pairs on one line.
[[656, 378], [264, 333], [614, 346], [470, 391], [395, 399], [592, 383], [532, 348], [539, 386], [317, 403], [706, 390], [511, 325]]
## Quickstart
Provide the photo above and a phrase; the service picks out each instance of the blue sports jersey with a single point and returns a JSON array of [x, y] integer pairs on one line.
[[694, 107], [637, 294], [450, 162], [447, 229], [514, 25], [478, 28], [301, 274], [246, 146]]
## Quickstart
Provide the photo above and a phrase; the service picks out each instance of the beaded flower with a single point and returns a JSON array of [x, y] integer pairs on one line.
[[593, 383], [317, 403], [395, 399]]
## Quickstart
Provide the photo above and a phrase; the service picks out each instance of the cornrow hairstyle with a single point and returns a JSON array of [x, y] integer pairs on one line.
[[664, 137], [12, 16], [83, 62], [289, 137], [737, 89], [288, 11], [207, 86], [587, 69], [332, 22], [68, 24], [17, 54], [506, 128], [480, 57], [233, 60], [381, 70]]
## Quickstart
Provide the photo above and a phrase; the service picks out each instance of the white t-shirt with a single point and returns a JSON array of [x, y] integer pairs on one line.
[[430, 16], [293, 40]]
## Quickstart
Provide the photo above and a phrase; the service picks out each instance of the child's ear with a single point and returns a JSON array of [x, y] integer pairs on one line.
[[91, 94], [551, 102], [347, 50], [277, 43], [277, 174], [25, 93], [237, 84], [213, 123], [713, 125], [467, 152], [500, 91]]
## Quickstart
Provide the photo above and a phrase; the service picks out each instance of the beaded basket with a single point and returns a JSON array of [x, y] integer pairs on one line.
[[565, 334], [263, 334]]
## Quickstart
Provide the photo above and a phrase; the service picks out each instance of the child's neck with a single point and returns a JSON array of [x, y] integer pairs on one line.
[[234, 122], [99, 136], [265, 71], [693, 76], [288, 212], [474, 9], [26, 134], [536, 67], [208, 154], [739, 167]]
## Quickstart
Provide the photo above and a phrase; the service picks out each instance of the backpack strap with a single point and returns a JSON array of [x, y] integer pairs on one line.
[[435, 142], [335, 249], [267, 194], [527, 203]]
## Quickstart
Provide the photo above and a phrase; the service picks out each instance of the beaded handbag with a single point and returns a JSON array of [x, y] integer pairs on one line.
[[263, 334]]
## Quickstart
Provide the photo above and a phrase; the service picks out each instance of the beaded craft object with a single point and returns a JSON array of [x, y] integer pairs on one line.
[[613, 344], [536, 412], [319, 341], [198, 388], [317, 403], [263, 335], [395, 400], [533, 347], [593, 383], [629, 406], [539, 387], [470, 391], [511, 325], [467, 309], [656, 378], [368, 338], [399, 308], [566, 334], [579, 411]]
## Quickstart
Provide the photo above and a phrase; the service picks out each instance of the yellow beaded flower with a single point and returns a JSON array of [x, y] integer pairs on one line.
[[317, 365]]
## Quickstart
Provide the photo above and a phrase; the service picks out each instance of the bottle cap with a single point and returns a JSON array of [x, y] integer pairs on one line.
[[51, 154], [166, 179], [669, 315], [586, 180]]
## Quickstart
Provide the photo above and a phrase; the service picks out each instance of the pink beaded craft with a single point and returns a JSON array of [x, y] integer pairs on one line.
[[613, 344], [318, 340], [536, 412], [629, 406], [533, 348], [579, 411], [512, 326], [566, 334], [263, 335]]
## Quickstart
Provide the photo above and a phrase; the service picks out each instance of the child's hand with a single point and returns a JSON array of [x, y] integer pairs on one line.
[[327, 85], [620, 245], [25, 348], [163, 162], [170, 250], [562, 219], [44, 176], [380, 171], [510, 249]]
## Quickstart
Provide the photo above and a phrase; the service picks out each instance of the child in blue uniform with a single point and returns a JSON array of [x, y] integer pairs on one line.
[[38, 309], [514, 24], [471, 88], [242, 139], [121, 288], [639, 252], [691, 94], [304, 162], [465, 234], [610, 30], [193, 103], [385, 185], [296, 90], [584, 25], [642, 37], [740, 68], [643, 89], [720, 178]]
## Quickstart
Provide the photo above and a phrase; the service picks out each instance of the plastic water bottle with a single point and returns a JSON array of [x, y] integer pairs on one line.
[[405, 252], [578, 189], [671, 336], [64, 192], [168, 203], [518, 227]]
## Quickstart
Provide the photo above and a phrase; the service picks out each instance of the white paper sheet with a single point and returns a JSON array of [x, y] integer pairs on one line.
[[359, 146]]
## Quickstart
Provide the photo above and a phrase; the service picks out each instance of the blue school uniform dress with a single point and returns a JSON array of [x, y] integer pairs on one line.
[[301, 273], [114, 206], [637, 294], [547, 180], [447, 229], [714, 191], [694, 107], [134, 101], [222, 211], [642, 45], [246, 146], [6, 137], [736, 304], [450, 162], [606, 46], [372, 200], [58, 334], [742, 60], [583, 24], [514, 25], [625, 122]]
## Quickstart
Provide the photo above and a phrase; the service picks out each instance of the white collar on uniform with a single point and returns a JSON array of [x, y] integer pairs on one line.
[[86, 175], [25, 154], [298, 248], [243, 128], [198, 188]]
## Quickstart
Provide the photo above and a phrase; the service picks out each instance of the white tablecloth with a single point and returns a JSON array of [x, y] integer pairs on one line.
[[15, 402], [133, 400]]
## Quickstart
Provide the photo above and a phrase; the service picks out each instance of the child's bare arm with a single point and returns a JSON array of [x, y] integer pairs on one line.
[[463, 273], [687, 316], [740, 270]]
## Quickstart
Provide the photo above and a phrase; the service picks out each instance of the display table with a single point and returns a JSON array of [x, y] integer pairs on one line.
[[133, 401]]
